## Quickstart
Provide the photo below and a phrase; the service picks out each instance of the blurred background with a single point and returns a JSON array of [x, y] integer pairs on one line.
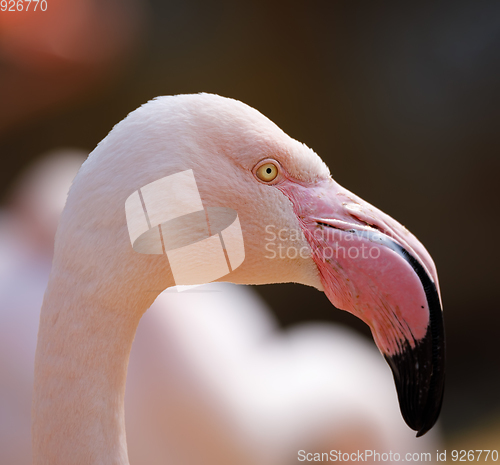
[[401, 100]]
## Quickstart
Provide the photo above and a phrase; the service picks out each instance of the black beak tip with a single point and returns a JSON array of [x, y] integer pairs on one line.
[[430, 414], [423, 431], [419, 377]]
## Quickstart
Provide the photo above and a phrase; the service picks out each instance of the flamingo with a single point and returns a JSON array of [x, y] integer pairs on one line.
[[99, 287]]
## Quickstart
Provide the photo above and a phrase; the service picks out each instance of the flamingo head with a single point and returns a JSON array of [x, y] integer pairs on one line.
[[299, 225]]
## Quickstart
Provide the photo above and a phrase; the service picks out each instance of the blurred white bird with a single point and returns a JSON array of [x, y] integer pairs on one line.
[[315, 387]]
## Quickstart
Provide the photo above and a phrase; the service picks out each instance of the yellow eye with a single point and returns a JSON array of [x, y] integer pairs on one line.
[[267, 172]]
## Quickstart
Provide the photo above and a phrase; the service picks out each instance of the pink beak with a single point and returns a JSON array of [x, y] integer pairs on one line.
[[373, 267]]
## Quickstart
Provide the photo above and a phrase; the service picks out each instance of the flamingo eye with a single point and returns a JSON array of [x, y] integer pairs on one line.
[[267, 172]]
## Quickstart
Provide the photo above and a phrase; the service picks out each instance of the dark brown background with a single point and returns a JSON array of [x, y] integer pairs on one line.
[[400, 99]]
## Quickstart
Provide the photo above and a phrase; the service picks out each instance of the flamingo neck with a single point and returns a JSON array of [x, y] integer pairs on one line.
[[84, 342]]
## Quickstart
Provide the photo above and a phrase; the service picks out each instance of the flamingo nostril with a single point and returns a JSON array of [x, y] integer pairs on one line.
[[370, 224]]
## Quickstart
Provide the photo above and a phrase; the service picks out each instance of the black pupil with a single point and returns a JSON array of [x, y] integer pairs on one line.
[[269, 170]]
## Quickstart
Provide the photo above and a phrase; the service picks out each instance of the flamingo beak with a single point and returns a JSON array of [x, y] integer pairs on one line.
[[372, 266]]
